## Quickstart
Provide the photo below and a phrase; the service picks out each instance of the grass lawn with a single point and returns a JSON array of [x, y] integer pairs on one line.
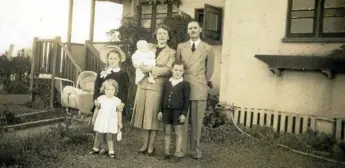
[[60, 148]]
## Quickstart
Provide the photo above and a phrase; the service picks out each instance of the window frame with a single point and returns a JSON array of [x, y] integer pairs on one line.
[[170, 8], [317, 36], [198, 11]]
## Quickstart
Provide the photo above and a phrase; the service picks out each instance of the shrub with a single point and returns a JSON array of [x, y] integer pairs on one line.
[[14, 74], [7, 117]]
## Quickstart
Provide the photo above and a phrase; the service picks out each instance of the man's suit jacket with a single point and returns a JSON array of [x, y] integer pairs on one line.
[[199, 67], [162, 69]]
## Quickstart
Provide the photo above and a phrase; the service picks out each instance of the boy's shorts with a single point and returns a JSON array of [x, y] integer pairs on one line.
[[171, 116]]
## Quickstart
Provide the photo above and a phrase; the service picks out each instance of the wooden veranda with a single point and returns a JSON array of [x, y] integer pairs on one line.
[[53, 59]]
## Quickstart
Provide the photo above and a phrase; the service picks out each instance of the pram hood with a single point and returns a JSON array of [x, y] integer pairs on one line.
[[86, 81]]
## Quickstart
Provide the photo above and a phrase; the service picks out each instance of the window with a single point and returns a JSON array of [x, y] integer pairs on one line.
[[316, 19], [151, 14], [210, 18]]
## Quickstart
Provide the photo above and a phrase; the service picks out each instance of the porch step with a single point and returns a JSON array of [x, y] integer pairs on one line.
[[35, 119], [32, 124], [40, 115]]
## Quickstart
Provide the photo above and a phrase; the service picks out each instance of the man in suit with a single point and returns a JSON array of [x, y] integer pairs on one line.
[[198, 58]]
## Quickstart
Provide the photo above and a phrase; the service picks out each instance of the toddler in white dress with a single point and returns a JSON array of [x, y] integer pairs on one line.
[[143, 56], [107, 118]]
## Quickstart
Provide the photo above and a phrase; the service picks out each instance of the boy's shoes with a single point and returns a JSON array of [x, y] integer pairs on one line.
[[93, 152], [142, 151], [175, 159], [103, 151], [112, 155], [151, 153]]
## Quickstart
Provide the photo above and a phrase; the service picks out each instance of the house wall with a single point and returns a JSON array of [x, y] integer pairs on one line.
[[257, 27]]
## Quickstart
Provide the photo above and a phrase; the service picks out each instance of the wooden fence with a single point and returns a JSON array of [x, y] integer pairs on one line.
[[289, 122]]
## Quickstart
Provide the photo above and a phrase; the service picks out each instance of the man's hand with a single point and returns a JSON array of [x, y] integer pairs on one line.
[[182, 118], [160, 116]]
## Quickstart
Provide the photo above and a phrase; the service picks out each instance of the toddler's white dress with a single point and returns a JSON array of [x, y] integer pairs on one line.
[[106, 120]]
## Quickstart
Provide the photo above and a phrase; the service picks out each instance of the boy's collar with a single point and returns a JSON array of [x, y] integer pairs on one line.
[[173, 79]]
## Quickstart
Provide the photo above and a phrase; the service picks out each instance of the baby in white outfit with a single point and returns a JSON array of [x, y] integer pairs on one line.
[[143, 56]]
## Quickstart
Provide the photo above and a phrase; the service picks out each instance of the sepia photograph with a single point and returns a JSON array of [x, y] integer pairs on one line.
[[172, 83]]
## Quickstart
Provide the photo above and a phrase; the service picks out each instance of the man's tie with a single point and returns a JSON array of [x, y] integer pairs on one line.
[[193, 47]]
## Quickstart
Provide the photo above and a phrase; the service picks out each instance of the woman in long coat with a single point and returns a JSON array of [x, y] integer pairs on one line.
[[148, 96]]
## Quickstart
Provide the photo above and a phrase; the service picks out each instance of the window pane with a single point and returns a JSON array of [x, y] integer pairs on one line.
[[302, 25], [334, 16], [146, 16], [334, 3], [212, 22], [302, 14], [158, 21], [175, 8], [146, 23], [334, 12], [146, 9], [162, 8], [303, 4], [161, 16], [334, 25]]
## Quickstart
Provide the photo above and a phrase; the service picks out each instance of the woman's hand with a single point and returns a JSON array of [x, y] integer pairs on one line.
[[93, 121], [97, 104], [145, 68]]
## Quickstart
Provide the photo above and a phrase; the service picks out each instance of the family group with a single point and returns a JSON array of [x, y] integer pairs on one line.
[[171, 94]]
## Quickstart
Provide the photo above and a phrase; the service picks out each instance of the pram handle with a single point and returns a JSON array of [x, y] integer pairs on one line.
[[64, 79]]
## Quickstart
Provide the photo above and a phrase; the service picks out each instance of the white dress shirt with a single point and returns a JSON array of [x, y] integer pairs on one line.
[[197, 42]]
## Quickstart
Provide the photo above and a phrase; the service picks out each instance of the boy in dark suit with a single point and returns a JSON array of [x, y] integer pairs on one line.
[[175, 104]]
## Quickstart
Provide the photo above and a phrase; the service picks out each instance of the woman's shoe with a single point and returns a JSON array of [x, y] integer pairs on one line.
[[142, 151], [151, 153]]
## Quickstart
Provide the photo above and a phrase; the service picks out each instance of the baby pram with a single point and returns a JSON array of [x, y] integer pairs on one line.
[[80, 96]]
